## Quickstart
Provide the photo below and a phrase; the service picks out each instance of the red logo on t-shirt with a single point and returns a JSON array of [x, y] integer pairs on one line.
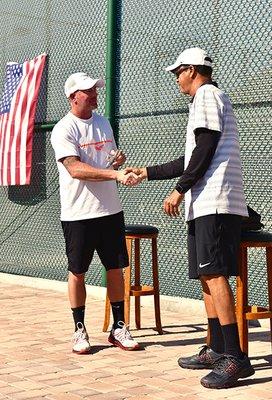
[[97, 145]]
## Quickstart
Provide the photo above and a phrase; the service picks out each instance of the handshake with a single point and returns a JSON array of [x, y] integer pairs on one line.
[[131, 176]]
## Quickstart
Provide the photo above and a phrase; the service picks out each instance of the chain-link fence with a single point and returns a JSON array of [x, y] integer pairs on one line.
[[151, 112]]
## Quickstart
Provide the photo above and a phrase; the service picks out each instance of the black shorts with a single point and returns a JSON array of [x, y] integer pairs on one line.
[[106, 235], [213, 245]]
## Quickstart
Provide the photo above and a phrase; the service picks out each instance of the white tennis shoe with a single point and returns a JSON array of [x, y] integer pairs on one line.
[[80, 340], [121, 337]]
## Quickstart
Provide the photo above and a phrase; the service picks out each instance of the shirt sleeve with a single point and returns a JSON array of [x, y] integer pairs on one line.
[[63, 143], [169, 170], [208, 110], [206, 144]]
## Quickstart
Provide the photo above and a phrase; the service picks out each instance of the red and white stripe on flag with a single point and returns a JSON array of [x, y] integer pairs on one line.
[[17, 118]]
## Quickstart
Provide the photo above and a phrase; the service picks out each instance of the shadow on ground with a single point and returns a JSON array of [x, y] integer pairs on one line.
[[263, 336]]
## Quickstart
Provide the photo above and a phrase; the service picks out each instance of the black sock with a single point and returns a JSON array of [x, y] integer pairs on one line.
[[231, 339], [118, 313], [216, 337], [78, 315]]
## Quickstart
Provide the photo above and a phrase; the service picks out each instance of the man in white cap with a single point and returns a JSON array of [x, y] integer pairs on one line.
[[210, 179], [91, 213]]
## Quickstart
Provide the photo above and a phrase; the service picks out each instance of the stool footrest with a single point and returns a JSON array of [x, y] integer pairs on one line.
[[257, 312], [256, 309], [142, 290], [260, 315]]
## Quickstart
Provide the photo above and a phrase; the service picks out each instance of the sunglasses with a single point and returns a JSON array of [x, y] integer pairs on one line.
[[180, 70]]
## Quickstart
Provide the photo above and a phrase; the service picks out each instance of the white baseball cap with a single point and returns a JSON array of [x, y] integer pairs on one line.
[[81, 81], [192, 56]]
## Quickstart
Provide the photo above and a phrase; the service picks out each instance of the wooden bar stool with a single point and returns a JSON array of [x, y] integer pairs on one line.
[[134, 233], [245, 312]]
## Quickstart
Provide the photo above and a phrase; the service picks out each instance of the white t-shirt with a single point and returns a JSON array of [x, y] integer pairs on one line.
[[220, 190], [91, 140]]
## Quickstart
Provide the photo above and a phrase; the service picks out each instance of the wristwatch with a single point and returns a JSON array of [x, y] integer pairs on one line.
[[179, 188]]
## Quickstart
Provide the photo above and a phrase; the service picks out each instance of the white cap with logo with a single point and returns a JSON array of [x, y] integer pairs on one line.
[[192, 56], [81, 81]]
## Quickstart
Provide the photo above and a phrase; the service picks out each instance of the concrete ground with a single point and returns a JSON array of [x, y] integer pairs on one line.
[[37, 362]]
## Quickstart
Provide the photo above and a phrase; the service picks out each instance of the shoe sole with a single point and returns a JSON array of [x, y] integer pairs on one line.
[[82, 351], [118, 344], [245, 374], [186, 366]]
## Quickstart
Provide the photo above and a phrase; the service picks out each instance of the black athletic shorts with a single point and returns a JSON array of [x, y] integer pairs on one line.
[[213, 245], [106, 235]]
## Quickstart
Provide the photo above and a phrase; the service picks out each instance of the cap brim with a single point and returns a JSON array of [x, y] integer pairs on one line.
[[100, 83], [173, 67]]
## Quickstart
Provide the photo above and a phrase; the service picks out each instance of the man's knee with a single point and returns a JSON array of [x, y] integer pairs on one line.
[[115, 275], [76, 277], [211, 280]]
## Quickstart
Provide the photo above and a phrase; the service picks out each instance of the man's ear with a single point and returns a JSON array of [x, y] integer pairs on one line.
[[193, 71], [73, 97]]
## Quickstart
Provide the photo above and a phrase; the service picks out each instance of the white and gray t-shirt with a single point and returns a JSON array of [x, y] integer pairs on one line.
[[220, 190], [92, 141]]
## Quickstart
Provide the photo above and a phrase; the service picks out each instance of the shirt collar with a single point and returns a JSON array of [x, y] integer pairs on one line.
[[205, 83]]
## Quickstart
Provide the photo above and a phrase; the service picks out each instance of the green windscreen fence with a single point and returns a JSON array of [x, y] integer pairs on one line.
[[152, 117]]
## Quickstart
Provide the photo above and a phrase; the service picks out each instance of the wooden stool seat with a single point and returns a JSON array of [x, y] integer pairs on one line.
[[134, 233], [244, 311], [254, 237]]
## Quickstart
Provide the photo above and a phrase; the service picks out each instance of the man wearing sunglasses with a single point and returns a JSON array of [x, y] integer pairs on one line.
[[210, 181]]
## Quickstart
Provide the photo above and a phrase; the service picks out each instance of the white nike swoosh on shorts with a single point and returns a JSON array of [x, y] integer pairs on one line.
[[203, 265]]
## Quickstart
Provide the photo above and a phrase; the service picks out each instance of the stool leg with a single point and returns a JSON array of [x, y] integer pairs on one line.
[[269, 282], [137, 283], [241, 300], [127, 277], [107, 314], [156, 286]]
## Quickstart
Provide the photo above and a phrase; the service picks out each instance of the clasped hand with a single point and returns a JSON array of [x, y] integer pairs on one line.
[[131, 176]]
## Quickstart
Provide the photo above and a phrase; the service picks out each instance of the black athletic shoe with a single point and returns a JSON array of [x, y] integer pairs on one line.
[[228, 369], [204, 360]]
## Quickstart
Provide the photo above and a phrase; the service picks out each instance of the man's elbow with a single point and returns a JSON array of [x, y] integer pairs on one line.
[[74, 173]]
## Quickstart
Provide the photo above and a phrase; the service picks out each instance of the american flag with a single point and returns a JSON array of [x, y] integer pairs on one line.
[[17, 117]]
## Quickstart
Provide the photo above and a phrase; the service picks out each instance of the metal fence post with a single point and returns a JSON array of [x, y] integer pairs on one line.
[[112, 72]]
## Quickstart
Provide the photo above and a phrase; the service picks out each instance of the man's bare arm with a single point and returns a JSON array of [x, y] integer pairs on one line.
[[80, 170]]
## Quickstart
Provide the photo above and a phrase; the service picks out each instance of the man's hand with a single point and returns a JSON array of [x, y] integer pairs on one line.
[[115, 158], [119, 160], [127, 178], [172, 202], [141, 172]]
